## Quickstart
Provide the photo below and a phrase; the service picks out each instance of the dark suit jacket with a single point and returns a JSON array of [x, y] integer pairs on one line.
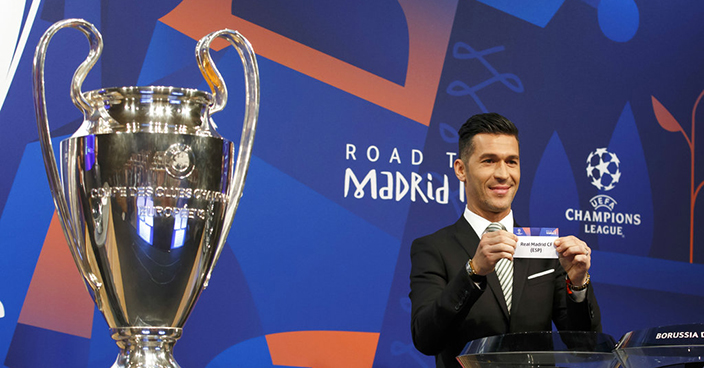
[[449, 310]]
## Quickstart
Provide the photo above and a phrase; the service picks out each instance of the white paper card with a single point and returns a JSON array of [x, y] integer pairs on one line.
[[536, 242]]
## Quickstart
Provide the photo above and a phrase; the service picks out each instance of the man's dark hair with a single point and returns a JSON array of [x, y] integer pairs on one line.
[[490, 123]]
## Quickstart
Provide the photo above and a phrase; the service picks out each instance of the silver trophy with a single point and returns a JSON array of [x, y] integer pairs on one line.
[[147, 193]]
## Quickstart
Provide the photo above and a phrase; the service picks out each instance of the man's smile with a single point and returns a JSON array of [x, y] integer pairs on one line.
[[500, 190]]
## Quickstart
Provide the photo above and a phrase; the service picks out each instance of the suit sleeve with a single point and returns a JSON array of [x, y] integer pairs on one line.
[[440, 302], [569, 315]]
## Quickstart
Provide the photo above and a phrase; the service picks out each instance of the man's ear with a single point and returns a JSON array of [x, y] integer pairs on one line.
[[460, 170]]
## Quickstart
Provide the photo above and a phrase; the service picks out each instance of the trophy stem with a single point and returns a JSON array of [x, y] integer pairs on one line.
[[148, 347]]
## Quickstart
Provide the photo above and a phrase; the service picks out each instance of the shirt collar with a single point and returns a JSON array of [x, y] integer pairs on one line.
[[479, 224]]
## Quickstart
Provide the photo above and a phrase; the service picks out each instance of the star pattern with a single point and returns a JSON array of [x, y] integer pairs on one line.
[[603, 169]]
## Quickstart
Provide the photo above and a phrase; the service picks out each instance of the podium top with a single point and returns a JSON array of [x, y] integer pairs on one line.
[[540, 349]]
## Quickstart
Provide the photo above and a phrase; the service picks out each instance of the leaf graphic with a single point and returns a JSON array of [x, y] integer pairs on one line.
[[554, 190], [665, 119], [632, 192]]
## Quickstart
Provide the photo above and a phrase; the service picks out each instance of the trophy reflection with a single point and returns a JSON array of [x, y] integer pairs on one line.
[[147, 193]]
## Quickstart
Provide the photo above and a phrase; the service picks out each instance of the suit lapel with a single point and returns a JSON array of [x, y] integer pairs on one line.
[[466, 237], [469, 240], [520, 274], [495, 287]]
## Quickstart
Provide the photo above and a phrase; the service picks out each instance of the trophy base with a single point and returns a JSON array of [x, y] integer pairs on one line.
[[147, 347]]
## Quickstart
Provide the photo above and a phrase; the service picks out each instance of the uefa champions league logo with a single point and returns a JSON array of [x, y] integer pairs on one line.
[[180, 160], [603, 169]]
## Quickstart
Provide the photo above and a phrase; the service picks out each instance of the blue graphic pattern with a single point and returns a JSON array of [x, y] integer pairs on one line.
[[303, 256], [618, 19], [463, 51], [554, 190], [633, 190], [536, 12], [370, 34]]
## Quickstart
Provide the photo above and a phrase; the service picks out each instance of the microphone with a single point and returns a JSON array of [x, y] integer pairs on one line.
[[494, 226]]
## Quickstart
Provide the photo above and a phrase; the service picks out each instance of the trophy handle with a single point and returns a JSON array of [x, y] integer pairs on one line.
[[96, 47], [217, 85]]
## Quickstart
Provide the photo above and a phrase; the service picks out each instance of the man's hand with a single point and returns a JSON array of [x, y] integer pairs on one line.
[[492, 247], [575, 257]]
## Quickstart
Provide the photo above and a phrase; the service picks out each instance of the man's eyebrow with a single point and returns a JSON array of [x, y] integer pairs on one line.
[[488, 154], [496, 155]]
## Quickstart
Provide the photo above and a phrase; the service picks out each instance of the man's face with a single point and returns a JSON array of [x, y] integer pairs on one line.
[[491, 175]]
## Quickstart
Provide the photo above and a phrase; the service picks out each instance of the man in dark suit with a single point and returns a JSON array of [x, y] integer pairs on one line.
[[456, 294]]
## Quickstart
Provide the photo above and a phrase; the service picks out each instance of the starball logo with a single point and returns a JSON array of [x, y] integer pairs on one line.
[[603, 168], [604, 172]]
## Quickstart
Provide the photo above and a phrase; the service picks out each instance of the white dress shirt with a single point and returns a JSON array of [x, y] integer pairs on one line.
[[479, 224]]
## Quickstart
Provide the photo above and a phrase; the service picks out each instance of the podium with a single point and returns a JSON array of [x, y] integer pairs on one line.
[[541, 349], [677, 346]]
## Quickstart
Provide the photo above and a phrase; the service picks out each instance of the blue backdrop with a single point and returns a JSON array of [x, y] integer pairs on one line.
[[360, 104]]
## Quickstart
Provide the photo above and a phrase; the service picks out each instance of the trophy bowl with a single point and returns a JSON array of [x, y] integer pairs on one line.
[[147, 193]]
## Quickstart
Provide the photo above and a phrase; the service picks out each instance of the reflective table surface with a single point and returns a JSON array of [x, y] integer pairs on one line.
[[541, 349]]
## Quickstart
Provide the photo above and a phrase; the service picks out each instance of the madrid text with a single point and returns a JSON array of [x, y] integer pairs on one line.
[[395, 185]]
